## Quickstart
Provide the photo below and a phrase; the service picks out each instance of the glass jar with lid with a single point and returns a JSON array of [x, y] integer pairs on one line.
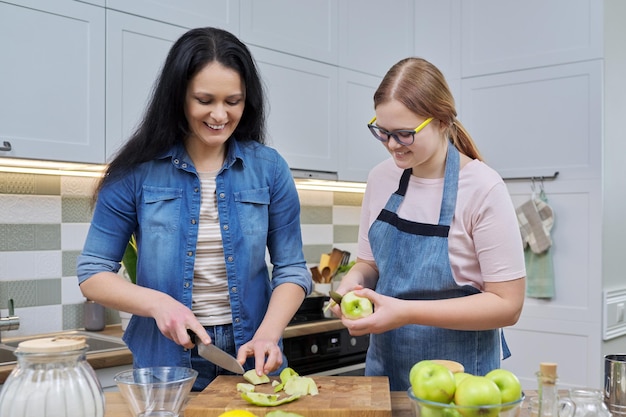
[[52, 378]]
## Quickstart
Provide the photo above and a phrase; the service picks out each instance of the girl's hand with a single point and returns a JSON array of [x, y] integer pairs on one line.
[[336, 308], [388, 314]]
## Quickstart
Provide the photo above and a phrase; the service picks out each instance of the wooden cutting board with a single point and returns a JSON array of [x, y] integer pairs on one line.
[[339, 396]]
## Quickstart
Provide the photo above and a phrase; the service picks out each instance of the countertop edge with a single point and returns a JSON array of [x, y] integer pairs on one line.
[[119, 357]]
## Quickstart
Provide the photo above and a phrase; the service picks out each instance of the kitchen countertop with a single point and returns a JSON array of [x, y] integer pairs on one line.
[[96, 360], [124, 357], [116, 407], [400, 405]]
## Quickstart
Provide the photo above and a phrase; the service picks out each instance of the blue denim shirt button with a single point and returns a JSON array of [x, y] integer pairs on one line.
[[193, 221], [230, 259], [176, 161], [237, 320], [225, 227], [186, 285], [233, 289], [222, 195], [184, 165], [190, 253], [195, 190]]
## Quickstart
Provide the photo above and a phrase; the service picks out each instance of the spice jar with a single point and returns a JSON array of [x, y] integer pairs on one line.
[[548, 405], [52, 378]]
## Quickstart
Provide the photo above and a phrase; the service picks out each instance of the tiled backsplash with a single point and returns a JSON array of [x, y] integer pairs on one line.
[[43, 223]]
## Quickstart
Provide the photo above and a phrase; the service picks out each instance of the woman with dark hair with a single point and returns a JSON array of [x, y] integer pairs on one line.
[[440, 252], [204, 198]]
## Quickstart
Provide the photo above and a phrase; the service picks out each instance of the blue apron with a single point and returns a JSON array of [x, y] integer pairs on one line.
[[413, 264]]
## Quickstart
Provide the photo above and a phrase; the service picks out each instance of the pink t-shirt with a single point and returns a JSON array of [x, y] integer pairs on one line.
[[485, 243]]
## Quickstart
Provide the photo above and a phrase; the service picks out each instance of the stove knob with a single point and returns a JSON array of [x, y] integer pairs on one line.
[[314, 349], [353, 341]]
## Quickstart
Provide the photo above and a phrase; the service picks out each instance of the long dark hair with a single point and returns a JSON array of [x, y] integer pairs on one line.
[[164, 123], [423, 89]]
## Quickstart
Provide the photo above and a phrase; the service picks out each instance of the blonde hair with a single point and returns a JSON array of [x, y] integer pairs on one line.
[[422, 88]]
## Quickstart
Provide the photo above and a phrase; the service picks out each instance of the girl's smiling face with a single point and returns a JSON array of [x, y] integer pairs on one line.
[[427, 153], [214, 105]]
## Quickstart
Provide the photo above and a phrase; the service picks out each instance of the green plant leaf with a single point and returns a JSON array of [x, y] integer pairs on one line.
[[129, 260]]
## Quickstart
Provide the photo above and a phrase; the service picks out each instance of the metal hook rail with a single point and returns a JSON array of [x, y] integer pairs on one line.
[[538, 178]]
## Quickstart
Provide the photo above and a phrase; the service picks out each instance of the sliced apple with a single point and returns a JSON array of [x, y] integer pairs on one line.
[[243, 387], [254, 379]]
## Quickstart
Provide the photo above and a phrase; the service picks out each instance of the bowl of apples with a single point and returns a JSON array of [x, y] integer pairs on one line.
[[443, 389]]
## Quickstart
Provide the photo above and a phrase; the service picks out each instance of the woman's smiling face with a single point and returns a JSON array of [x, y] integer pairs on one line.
[[214, 104], [428, 148]]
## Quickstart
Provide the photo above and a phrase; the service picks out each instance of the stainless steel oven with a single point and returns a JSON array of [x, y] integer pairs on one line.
[[330, 352]]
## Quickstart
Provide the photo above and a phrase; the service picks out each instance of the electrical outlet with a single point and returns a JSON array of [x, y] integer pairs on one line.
[[613, 317]]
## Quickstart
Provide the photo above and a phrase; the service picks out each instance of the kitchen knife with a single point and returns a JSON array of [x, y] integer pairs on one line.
[[216, 355], [220, 358]]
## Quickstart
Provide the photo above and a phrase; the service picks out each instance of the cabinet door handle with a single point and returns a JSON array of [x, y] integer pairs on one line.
[[6, 146]]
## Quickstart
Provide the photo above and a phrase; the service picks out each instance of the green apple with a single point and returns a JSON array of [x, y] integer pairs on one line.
[[429, 411], [431, 381], [416, 366], [477, 391], [460, 376], [508, 383], [355, 307]]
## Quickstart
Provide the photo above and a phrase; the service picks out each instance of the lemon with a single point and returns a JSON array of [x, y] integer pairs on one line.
[[237, 413]]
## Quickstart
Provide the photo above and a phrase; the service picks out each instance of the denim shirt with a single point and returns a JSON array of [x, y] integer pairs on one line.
[[160, 201]]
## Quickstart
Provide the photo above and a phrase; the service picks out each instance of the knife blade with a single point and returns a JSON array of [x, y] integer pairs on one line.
[[216, 355], [220, 358]]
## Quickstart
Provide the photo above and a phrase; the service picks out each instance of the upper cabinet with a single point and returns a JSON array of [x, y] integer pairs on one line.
[[136, 50], [358, 151], [502, 36], [438, 33], [186, 13], [302, 112], [374, 35], [304, 29], [52, 80], [536, 122]]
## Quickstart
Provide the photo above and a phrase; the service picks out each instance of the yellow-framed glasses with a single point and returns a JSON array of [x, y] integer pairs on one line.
[[404, 137]]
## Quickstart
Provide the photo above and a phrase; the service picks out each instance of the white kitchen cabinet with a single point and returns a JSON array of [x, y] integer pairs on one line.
[[538, 121], [186, 13], [358, 150], [506, 35], [302, 120], [374, 35], [136, 50], [100, 3], [305, 29], [52, 80], [438, 35]]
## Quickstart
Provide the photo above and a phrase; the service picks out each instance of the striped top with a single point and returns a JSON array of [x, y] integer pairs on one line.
[[210, 301]]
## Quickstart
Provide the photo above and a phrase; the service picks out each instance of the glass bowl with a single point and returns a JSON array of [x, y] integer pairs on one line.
[[157, 391], [424, 408]]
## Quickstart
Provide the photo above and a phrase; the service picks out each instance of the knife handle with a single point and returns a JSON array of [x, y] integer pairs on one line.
[[192, 336]]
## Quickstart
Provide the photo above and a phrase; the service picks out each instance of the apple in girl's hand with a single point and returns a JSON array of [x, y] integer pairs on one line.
[[508, 383], [355, 307], [476, 391], [432, 381]]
